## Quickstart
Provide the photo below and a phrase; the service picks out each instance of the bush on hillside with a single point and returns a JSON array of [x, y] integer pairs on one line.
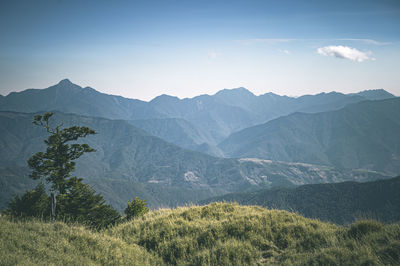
[[80, 203], [364, 227], [34, 203], [136, 208]]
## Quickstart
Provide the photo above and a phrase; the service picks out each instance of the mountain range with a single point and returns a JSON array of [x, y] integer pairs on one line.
[[208, 119], [128, 161], [360, 135], [157, 150]]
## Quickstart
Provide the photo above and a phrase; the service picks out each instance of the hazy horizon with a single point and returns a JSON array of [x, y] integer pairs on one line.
[[179, 48], [212, 93]]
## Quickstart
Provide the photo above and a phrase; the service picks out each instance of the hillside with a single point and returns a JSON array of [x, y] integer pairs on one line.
[[362, 135], [129, 162], [179, 132], [216, 234], [40, 243], [340, 203], [205, 120]]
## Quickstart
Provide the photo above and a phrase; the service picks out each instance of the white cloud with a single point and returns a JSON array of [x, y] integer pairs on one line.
[[270, 41], [212, 55], [263, 41], [345, 52], [284, 51], [366, 41]]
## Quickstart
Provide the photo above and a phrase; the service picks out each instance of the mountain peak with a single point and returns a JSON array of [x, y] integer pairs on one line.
[[377, 94], [236, 91], [65, 82], [165, 98]]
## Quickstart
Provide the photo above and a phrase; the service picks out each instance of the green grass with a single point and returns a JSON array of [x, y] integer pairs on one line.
[[40, 243], [215, 234]]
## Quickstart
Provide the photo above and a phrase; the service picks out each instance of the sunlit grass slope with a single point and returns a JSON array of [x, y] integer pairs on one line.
[[230, 234], [39, 243], [216, 234]]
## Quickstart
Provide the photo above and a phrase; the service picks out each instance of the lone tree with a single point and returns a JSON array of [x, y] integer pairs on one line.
[[136, 208], [56, 164]]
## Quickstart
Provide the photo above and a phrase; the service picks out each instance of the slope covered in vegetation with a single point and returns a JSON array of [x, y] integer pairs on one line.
[[216, 234], [361, 135], [340, 203], [39, 243], [128, 162]]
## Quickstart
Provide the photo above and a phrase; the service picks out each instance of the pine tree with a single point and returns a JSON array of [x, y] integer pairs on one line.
[[76, 201], [56, 164]]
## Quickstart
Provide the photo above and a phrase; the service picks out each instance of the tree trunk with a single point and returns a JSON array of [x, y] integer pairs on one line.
[[53, 206]]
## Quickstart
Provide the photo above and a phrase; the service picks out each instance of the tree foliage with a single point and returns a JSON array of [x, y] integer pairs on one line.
[[80, 203], [56, 164], [136, 208], [76, 201], [34, 203]]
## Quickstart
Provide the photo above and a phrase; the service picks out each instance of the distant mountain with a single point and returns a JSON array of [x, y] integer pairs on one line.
[[130, 162], [326, 102], [179, 132], [70, 98], [218, 119], [239, 97], [269, 106], [213, 117], [341, 203], [362, 135], [379, 94]]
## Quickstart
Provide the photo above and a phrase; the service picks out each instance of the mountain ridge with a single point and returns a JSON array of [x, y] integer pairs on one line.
[[341, 203], [129, 162], [220, 115], [361, 135]]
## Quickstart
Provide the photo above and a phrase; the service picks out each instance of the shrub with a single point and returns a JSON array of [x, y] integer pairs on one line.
[[362, 228], [80, 203], [136, 208], [34, 203]]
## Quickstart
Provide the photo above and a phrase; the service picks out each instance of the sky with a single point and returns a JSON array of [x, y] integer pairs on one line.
[[142, 49]]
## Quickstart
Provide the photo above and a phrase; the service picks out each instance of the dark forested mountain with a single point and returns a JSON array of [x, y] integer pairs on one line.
[[208, 118], [362, 135], [339, 203], [130, 162]]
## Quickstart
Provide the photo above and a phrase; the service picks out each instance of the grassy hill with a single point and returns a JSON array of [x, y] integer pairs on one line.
[[341, 203], [216, 234], [39, 243]]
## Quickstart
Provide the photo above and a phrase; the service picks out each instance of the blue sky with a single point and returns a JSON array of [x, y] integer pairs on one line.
[[141, 49]]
